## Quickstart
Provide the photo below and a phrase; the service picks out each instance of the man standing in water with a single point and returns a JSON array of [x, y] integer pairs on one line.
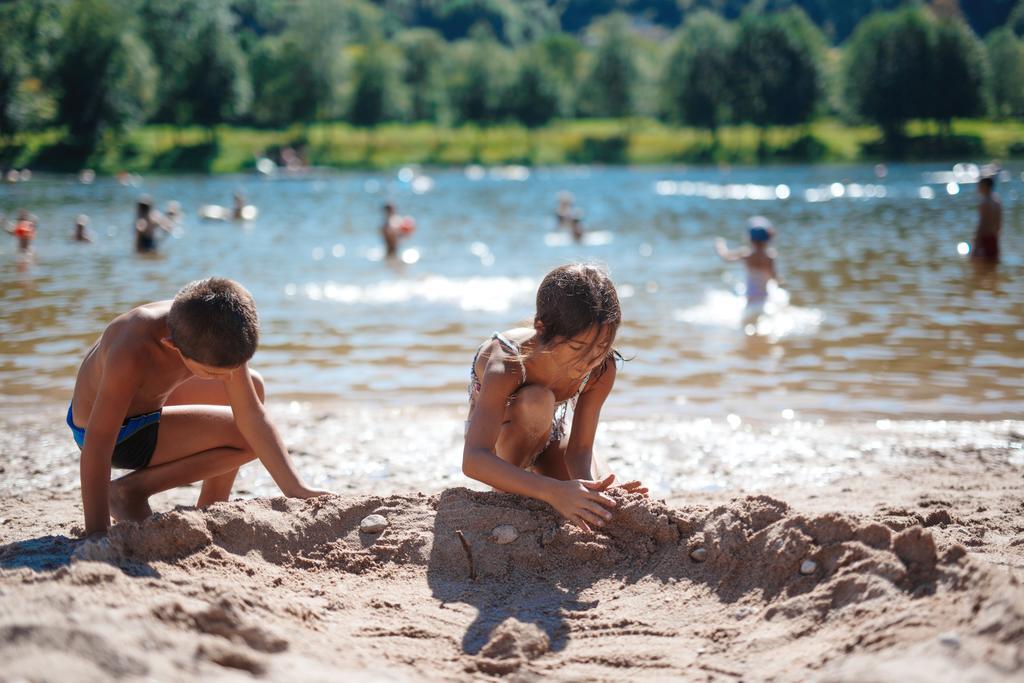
[[990, 223], [389, 230], [395, 229]]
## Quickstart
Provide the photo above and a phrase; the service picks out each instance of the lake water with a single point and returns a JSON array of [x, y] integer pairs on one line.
[[884, 317]]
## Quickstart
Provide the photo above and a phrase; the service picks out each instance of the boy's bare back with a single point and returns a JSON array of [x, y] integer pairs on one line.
[[131, 348], [990, 216]]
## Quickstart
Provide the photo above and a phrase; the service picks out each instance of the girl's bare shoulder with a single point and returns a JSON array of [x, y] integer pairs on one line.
[[498, 360]]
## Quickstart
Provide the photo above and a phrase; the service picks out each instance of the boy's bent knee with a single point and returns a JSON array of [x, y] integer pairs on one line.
[[239, 456]]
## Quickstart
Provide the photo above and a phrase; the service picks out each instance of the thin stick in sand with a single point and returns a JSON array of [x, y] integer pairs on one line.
[[469, 554]]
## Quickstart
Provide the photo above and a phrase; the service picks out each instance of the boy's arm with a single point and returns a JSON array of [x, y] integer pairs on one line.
[[579, 454], [258, 431], [117, 387]]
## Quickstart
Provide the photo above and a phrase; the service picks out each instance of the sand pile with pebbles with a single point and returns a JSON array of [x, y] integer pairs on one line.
[[467, 585]]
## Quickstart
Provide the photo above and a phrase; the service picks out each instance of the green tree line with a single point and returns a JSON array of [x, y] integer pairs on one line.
[[96, 68]]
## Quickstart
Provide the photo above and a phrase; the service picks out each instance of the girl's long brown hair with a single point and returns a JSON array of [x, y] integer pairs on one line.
[[572, 299]]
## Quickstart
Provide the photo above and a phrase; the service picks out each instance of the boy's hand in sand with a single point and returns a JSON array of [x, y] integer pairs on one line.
[[583, 502]]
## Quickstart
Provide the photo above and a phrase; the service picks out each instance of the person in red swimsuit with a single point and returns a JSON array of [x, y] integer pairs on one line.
[[24, 230]]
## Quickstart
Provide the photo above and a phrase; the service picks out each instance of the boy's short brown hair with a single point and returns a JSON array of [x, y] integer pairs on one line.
[[214, 322]]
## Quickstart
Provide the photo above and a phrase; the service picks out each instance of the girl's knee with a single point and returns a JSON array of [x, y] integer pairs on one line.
[[534, 401], [531, 409]]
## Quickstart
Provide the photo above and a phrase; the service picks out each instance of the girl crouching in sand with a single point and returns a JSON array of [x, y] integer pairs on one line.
[[524, 384]]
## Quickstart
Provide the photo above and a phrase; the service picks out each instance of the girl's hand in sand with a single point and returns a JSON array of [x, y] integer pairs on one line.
[[582, 502], [633, 487], [309, 493]]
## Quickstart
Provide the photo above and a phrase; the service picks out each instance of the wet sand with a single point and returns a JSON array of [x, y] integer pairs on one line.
[[915, 532]]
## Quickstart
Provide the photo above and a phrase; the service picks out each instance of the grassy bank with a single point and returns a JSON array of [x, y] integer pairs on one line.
[[632, 141]]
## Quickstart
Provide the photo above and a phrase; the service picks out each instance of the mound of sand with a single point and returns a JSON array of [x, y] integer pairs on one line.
[[277, 588]]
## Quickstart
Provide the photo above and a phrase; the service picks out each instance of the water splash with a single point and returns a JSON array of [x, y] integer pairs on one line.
[[491, 294], [775, 319], [594, 238]]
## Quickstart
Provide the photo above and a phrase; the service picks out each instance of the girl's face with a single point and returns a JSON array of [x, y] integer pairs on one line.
[[583, 352]]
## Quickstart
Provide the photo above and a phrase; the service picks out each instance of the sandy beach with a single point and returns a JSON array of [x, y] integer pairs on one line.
[[904, 564], [760, 261]]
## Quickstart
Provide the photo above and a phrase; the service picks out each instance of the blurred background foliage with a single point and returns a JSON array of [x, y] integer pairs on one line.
[[84, 81]]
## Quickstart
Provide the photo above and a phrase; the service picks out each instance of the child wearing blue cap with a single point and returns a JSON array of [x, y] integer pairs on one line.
[[759, 258]]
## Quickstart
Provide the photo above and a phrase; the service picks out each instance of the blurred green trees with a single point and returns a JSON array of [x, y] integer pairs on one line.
[[909, 65], [1006, 66], [379, 94], [96, 67], [480, 73], [959, 73], [535, 96], [775, 69], [610, 85], [104, 73], [695, 82], [204, 75], [424, 54]]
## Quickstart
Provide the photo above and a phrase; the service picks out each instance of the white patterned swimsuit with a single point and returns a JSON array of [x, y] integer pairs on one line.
[[558, 419]]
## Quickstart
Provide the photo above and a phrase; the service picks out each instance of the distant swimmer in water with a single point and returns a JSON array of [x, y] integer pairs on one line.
[[82, 233], [147, 221], [565, 212], [394, 229], [239, 211], [576, 227], [990, 223], [759, 259], [24, 231], [173, 212]]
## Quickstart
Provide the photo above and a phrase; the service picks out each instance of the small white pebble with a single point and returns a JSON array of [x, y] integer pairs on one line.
[[950, 640], [699, 554], [504, 534], [808, 567], [373, 524]]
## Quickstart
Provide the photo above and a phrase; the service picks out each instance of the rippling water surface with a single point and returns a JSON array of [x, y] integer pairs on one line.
[[879, 315]]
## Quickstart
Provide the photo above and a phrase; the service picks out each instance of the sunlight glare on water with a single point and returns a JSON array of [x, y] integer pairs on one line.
[[880, 314]]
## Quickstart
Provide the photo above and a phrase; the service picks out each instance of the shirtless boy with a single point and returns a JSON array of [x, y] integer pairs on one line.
[[990, 223], [167, 392]]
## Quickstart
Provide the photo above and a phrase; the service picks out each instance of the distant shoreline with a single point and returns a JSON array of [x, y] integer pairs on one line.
[[228, 149]]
